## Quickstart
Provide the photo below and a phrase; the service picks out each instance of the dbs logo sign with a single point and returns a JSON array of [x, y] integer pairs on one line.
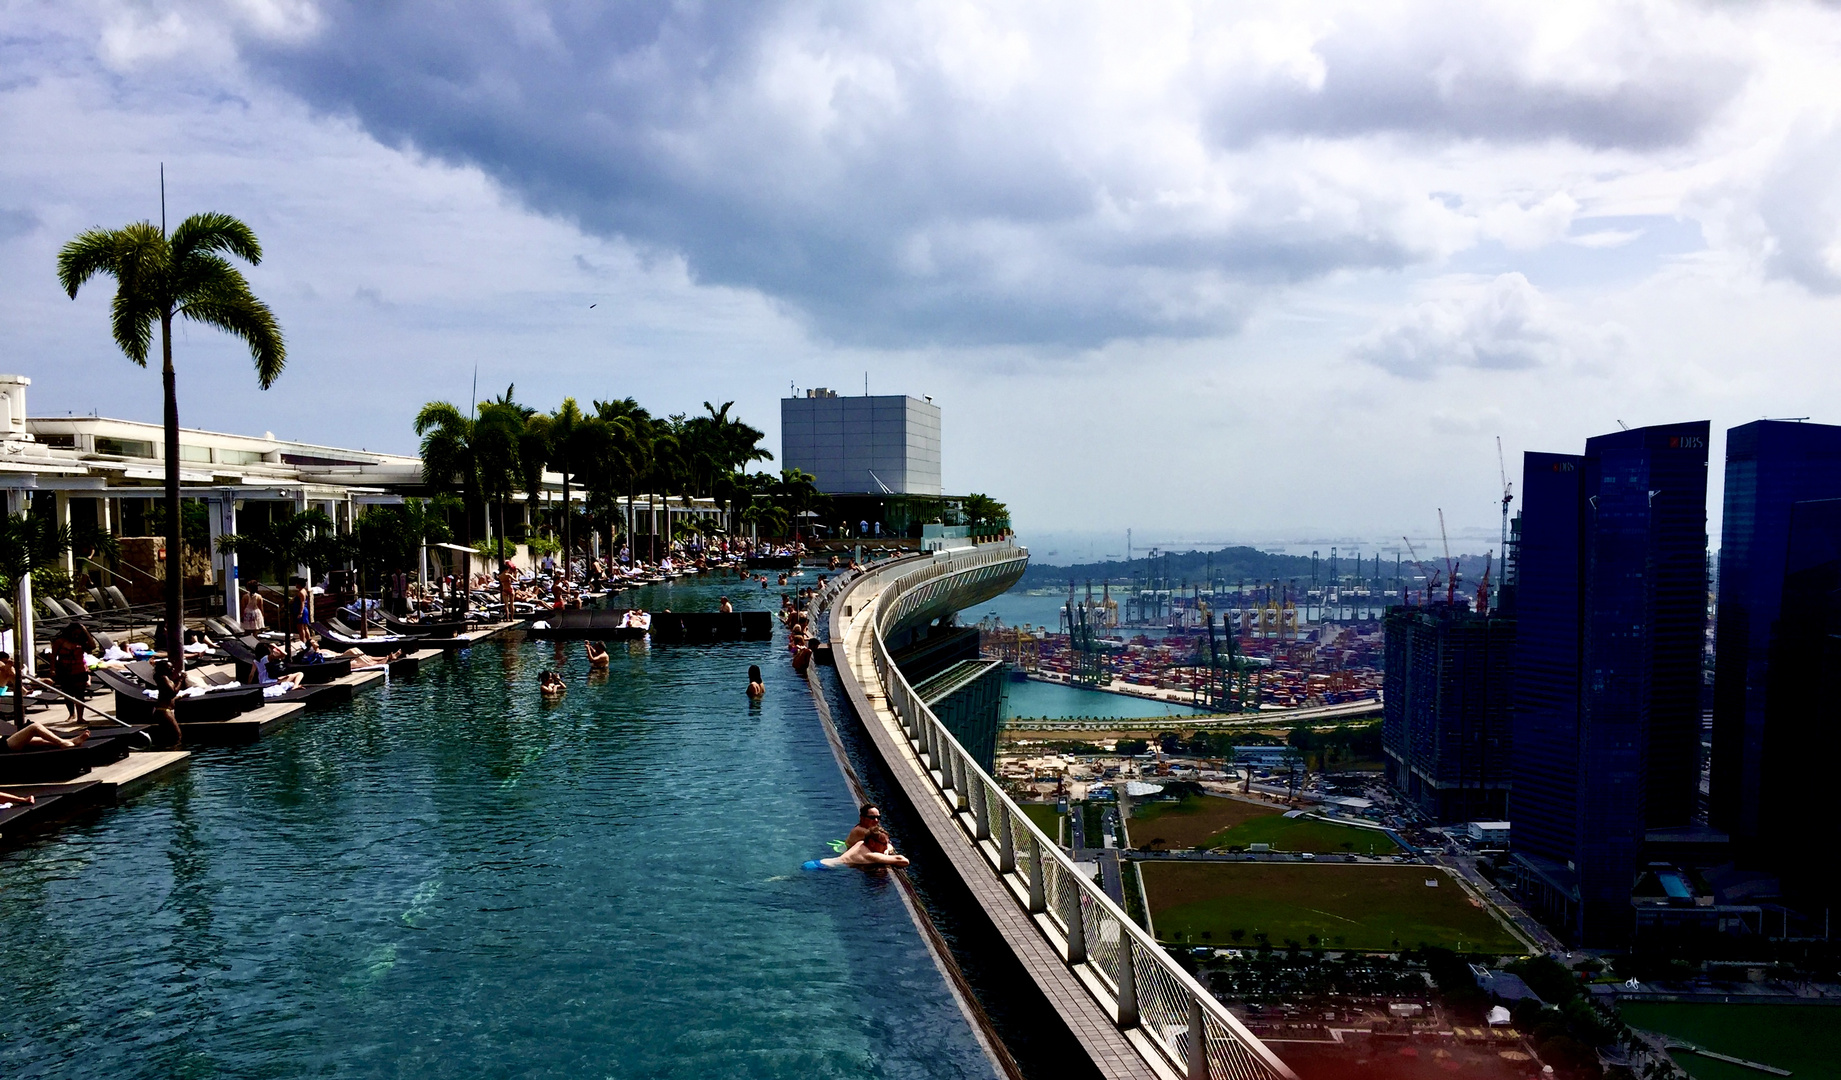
[[1687, 442]]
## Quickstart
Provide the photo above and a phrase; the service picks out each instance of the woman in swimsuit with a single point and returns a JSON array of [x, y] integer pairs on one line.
[[756, 688]]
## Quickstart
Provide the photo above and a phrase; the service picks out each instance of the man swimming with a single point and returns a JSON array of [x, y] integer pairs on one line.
[[872, 851]]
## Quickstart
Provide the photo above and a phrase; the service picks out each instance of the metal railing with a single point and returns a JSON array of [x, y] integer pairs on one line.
[[1161, 1007]]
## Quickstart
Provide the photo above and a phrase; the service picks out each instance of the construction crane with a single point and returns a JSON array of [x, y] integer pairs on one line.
[[1451, 575], [1483, 586], [1508, 495], [1431, 575]]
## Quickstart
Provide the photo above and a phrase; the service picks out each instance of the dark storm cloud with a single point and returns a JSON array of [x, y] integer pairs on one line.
[[827, 156]]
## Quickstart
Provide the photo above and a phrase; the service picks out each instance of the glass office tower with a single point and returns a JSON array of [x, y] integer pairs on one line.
[[1771, 465], [1611, 606]]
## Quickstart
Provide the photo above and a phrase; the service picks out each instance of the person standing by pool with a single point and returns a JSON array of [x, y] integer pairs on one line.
[[70, 664]]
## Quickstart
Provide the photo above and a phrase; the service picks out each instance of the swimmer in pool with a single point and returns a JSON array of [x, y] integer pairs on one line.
[[756, 688], [551, 685], [869, 818], [872, 851], [597, 656]]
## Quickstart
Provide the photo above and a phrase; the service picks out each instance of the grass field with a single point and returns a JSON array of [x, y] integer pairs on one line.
[[1044, 817], [1806, 1039], [1305, 834], [1371, 908], [1171, 825], [1212, 821]]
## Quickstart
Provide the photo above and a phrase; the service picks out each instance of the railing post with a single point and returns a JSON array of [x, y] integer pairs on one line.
[[1077, 928], [1198, 1041], [1006, 841], [981, 811], [1038, 902], [1127, 982]]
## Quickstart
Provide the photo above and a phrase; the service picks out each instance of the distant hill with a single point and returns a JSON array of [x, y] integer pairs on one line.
[[1230, 566]]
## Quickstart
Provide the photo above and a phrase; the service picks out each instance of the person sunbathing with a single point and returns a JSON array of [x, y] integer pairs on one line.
[[360, 659], [37, 734], [264, 667]]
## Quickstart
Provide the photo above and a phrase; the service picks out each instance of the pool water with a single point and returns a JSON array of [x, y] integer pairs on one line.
[[451, 878]]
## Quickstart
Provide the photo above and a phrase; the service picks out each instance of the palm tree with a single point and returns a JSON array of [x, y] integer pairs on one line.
[[570, 445], [628, 444], [497, 434], [797, 493], [982, 511], [162, 278], [449, 461]]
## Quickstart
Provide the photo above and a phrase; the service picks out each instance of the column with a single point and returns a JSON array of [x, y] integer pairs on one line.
[[62, 500], [22, 604], [224, 520]]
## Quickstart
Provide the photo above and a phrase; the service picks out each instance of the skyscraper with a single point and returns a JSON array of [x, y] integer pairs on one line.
[[1445, 720], [1771, 465], [1607, 724]]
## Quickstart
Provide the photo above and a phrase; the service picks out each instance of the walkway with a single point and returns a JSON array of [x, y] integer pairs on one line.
[[1132, 1021]]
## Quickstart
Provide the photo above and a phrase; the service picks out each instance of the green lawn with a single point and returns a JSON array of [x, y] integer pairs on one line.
[[1044, 817], [1172, 824], [1305, 834], [1806, 1039], [1363, 907]]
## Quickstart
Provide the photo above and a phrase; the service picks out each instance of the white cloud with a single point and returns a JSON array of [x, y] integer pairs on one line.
[[1504, 324]]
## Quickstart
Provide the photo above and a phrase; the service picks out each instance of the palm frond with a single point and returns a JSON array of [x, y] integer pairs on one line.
[[210, 232], [229, 305]]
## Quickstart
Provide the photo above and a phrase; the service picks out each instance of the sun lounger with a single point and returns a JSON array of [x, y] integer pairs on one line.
[[51, 765], [134, 700]]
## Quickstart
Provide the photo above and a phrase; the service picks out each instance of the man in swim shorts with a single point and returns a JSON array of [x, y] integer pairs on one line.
[[872, 851]]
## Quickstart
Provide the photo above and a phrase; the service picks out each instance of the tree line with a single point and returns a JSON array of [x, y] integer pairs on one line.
[[610, 454]]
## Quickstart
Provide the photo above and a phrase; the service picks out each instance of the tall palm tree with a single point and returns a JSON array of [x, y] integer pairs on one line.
[[628, 431], [496, 436], [571, 445], [186, 276], [449, 461]]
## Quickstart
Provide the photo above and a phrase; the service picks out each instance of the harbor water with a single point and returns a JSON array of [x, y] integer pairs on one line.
[[451, 878]]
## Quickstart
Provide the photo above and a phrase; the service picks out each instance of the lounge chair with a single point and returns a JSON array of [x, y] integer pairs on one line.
[[134, 700], [378, 644], [311, 674], [51, 765]]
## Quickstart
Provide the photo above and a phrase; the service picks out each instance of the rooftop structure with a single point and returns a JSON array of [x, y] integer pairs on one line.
[[883, 445]]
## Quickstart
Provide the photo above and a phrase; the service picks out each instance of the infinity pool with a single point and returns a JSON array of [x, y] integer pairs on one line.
[[450, 878]]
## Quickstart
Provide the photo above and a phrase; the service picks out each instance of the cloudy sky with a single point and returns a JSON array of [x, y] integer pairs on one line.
[[1205, 271]]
